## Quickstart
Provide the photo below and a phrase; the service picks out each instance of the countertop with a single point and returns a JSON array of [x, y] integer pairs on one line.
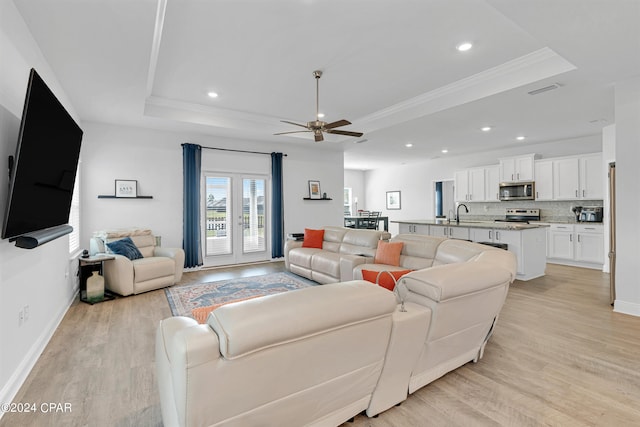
[[474, 224]]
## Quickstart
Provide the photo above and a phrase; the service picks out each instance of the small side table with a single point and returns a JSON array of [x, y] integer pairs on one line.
[[86, 267]]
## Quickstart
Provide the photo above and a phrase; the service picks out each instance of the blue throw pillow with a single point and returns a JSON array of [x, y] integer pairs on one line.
[[125, 247]]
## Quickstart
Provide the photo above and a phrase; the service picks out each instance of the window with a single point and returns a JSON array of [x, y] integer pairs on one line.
[[74, 216]]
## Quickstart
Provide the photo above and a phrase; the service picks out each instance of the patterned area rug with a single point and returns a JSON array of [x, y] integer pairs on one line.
[[198, 299]]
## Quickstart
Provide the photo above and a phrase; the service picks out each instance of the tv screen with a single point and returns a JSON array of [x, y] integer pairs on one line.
[[44, 167]]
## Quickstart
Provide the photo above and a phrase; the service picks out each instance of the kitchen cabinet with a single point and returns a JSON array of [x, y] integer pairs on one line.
[[561, 241], [449, 232], [528, 245], [578, 178], [521, 168], [591, 177], [477, 184], [544, 179], [491, 183], [589, 243], [469, 185], [414, 229], [576, 244], [566, 178]]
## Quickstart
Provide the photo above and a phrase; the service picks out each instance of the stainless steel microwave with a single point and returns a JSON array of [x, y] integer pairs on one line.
[[517, 190]]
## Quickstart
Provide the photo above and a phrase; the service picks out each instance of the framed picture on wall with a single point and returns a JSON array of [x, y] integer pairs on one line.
[[393, 200], [314, 190], [126, 188]]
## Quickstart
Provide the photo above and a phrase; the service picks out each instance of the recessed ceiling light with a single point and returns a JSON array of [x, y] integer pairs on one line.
[[409, 145], [520, 138], [465, 46], [445, 151], [486, 129], [212, 94]]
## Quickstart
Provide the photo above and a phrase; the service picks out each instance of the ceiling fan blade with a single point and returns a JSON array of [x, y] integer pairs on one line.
[[337, 124], [345, 132], [295, 131], [293, 123], [318, 136]]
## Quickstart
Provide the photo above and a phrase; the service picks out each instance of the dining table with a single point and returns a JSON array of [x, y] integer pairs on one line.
[[359, 221]]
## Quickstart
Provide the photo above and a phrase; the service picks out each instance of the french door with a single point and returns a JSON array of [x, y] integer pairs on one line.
[[236, 218]]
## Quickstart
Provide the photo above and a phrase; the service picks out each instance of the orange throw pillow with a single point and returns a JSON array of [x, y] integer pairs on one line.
[[201, 313], [385, 280], [313, 238], [388, 253]]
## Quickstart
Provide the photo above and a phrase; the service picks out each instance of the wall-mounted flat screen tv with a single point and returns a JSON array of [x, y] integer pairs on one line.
[[43, 171]]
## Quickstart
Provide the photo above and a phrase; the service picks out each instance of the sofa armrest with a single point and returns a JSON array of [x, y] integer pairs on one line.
[[181, 345], [348, 263], [118, 275], [177, 254], [288, 245]]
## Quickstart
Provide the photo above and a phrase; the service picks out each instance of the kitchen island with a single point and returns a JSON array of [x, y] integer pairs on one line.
[[528, 242]]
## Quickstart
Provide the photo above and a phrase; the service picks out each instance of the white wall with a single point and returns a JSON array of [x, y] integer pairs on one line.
[[627, 149], [415, 181], [43, 278], [154, 158]]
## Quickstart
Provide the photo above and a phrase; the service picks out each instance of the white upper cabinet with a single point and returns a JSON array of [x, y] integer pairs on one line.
[[491, 183], [477, 184], [544, 179], [578, 178], [591, 177], [566, 178], [521, 168]]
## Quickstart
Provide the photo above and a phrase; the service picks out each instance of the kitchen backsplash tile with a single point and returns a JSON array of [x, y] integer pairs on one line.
[[549, 211]]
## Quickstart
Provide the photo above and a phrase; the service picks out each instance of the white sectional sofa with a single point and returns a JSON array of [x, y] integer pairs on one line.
[[320, 355], [342, 250]]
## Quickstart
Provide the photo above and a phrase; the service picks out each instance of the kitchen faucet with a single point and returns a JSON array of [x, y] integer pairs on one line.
[[458, 212]]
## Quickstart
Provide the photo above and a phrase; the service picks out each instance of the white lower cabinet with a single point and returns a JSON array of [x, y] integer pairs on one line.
[[449, 232], [576, 244], [414, 229]]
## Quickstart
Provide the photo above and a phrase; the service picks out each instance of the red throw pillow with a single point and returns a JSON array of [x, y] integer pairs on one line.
[[384, 279], [313, 238], [388, 253]]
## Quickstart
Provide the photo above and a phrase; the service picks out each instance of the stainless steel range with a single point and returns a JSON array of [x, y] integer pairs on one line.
[[521, 215]]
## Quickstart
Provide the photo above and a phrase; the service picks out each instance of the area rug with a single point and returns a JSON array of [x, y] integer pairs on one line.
[[197, 300]]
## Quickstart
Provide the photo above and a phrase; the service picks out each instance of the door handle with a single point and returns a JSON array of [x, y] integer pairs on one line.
[[497, 235], [490, 234]]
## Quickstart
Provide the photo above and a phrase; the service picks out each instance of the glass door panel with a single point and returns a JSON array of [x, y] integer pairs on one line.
[[219, 228], [253, 210]]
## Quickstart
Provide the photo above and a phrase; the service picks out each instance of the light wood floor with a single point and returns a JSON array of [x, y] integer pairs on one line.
[[559, 357]]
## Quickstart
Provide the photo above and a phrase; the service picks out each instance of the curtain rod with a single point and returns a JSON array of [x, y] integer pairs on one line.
[[238, 151]]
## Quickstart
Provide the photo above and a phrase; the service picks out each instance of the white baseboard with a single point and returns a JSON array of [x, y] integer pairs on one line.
[[625, 307], [11, 388]]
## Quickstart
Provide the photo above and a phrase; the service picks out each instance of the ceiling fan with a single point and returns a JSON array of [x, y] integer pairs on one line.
[[317, 126]]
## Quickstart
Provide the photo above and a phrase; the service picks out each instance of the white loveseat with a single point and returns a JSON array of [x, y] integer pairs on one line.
[[320, 355], [159, 267]]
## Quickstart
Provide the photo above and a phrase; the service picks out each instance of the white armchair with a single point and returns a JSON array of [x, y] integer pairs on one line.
[[159, 267]]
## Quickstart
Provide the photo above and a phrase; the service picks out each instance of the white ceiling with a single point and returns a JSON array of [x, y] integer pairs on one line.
[[390, 67]]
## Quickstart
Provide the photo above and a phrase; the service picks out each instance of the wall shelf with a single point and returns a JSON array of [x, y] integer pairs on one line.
[[309, 198], [109, 196]]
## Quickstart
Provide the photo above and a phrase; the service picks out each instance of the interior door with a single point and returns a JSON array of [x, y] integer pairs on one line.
[[236, 219]]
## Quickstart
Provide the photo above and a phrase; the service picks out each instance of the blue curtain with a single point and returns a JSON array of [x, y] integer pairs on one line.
[[191, 166], [277, 210]]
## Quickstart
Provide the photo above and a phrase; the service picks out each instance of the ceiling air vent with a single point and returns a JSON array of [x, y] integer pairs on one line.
[[545, 89]]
